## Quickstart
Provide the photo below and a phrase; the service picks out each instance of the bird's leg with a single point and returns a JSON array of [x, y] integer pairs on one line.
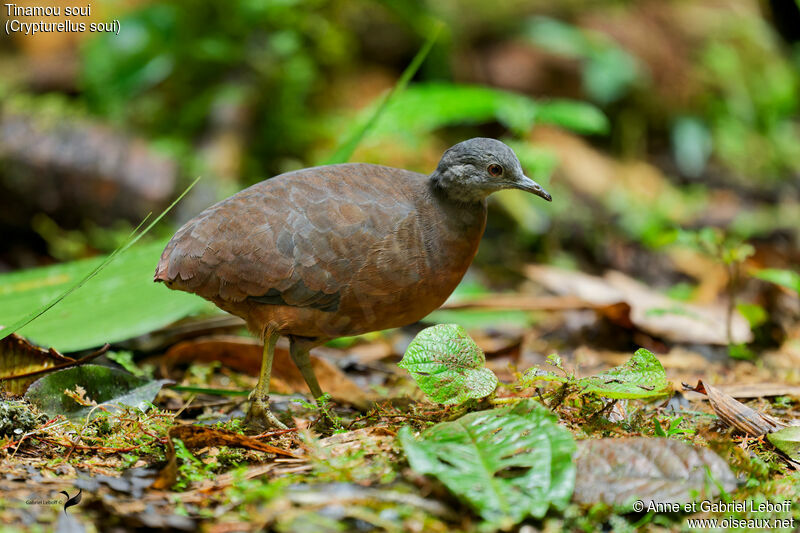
[[259, 416], [298, 349]]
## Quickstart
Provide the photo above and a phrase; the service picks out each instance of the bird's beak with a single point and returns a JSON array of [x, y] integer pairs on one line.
[[527, 184]]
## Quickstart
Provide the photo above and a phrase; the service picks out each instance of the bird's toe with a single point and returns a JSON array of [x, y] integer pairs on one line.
[[260, 418]]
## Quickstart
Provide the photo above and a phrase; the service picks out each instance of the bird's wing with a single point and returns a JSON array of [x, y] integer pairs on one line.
[[297, 239]]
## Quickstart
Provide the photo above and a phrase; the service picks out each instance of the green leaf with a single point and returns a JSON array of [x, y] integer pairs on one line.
[[558, 37], [581, 117], [447, 365], [609, 73], [753, 313], [785, 278], [57, 297], [507, 463], [109, 387], [425, 107], [119, 303], [787, 440], [641, 377]]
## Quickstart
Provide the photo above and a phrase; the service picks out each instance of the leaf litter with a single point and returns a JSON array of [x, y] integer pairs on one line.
[[357, 466]]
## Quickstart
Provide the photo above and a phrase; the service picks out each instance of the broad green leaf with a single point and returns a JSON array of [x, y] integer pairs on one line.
[[507, 463], [425, 107], [447, 365], [574, 115], [787, 440], [107, 386], [119, 303], [786, 278], [32, 314], [641, 377]]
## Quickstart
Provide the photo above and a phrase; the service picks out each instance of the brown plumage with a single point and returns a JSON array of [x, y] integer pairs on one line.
[[340, 250]]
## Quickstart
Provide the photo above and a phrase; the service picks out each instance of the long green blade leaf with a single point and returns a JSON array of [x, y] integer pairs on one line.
[[346, 149]]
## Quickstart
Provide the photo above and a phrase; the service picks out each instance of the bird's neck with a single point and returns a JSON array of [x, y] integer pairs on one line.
[[454, 186]]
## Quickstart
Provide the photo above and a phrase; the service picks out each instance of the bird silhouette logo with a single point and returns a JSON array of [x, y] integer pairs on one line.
[[74, 500]]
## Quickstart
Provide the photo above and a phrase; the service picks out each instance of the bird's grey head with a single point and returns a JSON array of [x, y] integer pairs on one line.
[[472, 170]]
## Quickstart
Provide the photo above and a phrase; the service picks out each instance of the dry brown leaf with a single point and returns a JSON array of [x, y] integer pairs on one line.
[[244, 354], [22, 363], [752, 390], [369, 352], [376, 436], [650, 311], [619, 471], [736, 414], [521, 302], [200, 437]]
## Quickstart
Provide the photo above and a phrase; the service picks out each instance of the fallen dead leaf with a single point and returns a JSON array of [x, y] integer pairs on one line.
[[375, 436], [521, 302], [650, 311], [736, 414], [751, 390], [22, 363], [619, 471]]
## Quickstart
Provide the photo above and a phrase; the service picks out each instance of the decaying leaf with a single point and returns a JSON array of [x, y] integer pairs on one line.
[[244, 354], [200, 437], [751, 390], [642, 376], [650, 311], [620, 471], [736, 414], [368, 440], [108, 387], [447, 365], [506, 463], [21, 363]]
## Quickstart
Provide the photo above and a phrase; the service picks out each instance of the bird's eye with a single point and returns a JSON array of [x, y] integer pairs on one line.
[[495, 170]]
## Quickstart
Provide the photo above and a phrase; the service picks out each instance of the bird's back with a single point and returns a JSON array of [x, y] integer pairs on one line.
[[326, 251]]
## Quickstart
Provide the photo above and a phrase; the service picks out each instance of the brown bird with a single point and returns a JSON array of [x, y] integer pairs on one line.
[[338, 250]]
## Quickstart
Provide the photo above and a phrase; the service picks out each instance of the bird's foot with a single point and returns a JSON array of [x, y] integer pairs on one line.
[[260, 418]]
